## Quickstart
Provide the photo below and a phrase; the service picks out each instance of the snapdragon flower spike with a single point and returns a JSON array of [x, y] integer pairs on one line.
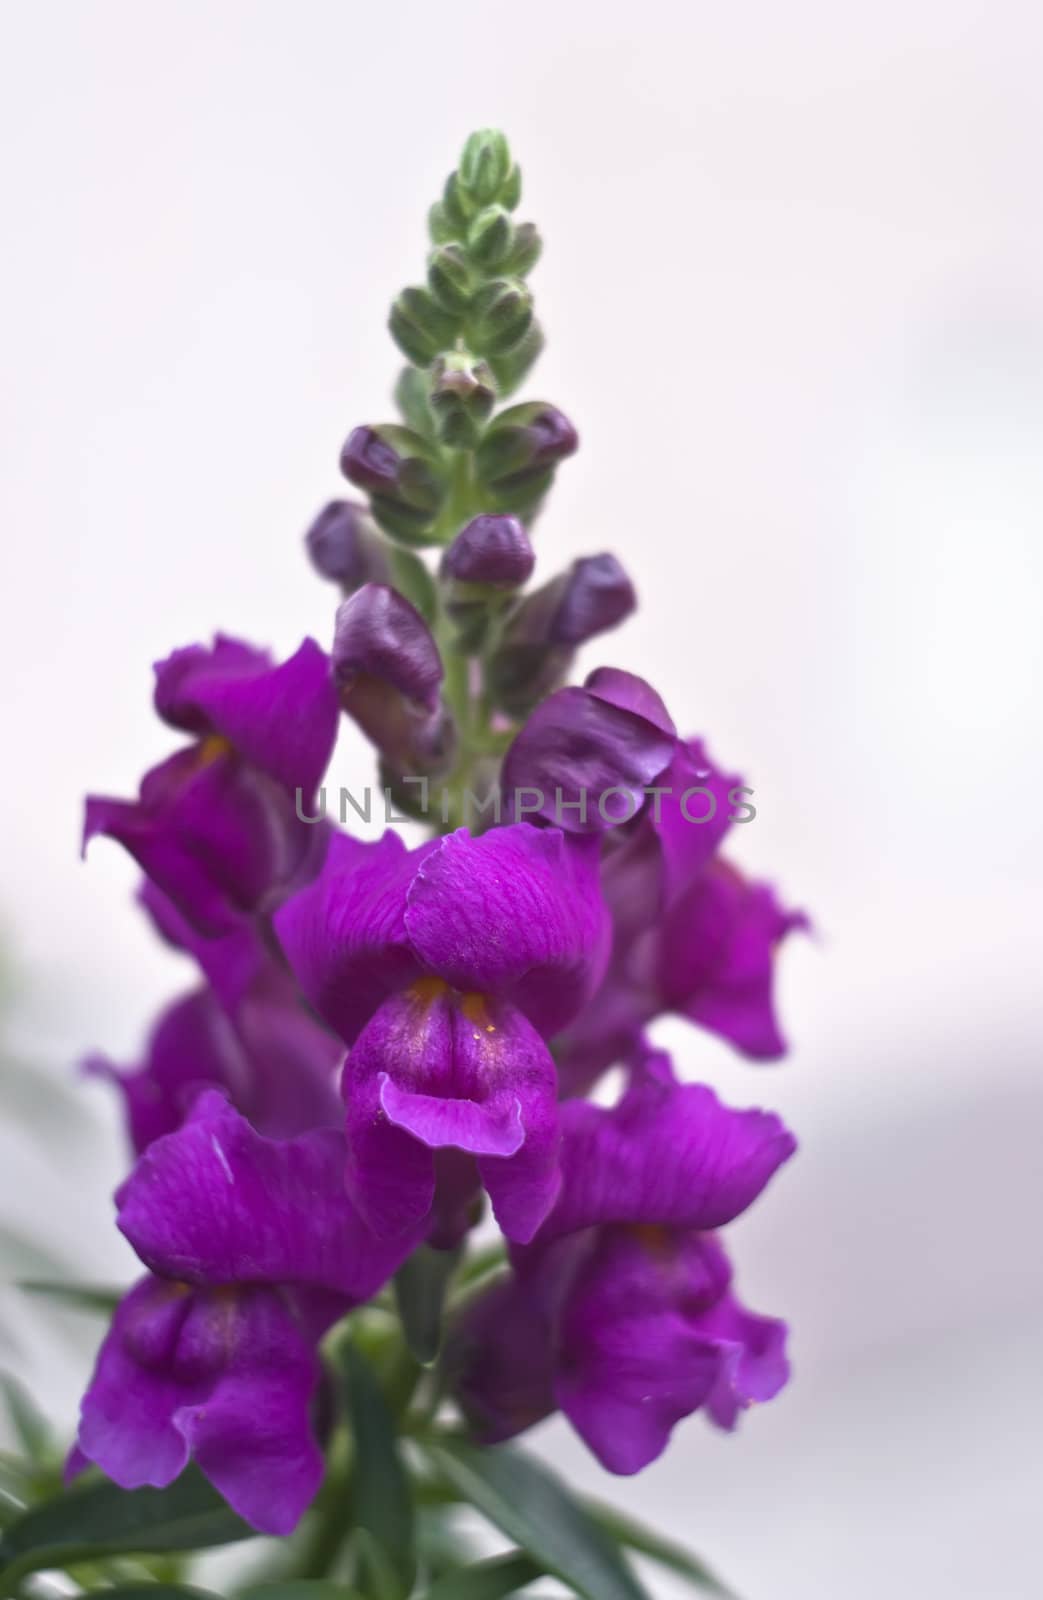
[[272, 1059], [388, 673], [217, 826], [542, 636], [621, 1311], [346, 548], [255, 1250], [445, 968]]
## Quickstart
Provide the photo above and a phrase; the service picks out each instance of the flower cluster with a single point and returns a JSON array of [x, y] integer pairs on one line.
[[386, 1043]]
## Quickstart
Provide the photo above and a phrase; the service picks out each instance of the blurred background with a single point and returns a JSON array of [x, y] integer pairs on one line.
[[792, 290]]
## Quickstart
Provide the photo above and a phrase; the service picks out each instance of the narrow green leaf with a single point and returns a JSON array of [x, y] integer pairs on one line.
[[381, 1499], [28, 1422], [158, 1591], [533, 1507], [488, 1580], [420, 1287], [82, 1296], [299, 1589], [100, 1519], [647, 1542]]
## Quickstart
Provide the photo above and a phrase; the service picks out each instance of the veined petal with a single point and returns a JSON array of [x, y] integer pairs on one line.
[[281, 719], [516, 913], [345, 934], [667, 1153], [465, 1072], [717, 958], [216, 1203]]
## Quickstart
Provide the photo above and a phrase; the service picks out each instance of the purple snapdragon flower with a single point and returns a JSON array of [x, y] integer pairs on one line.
[[217, 826], [254, 1250], [445, 969], [275, 1062], [621, 1312]]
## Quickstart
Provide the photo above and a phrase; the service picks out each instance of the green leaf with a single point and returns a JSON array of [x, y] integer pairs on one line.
[[100, 1519], [533, 1507], [28, 1422], [647, 1542], [381, 1499], [82, 1296], [299, 1589], [488, 1580], [158, 1591], [420, 1288]]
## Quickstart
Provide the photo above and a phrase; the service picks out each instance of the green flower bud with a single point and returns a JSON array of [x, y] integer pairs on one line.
[[510, 193], [463, 393], [420, 326], [411, 398], [526, 249], [490, 237], [501, 314], [439, 226], [512, 367], [404, 475], [485, 164], [457, 207], [450, 278]]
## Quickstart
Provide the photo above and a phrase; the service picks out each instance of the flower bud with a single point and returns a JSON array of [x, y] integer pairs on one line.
[[500, 315], [597, 595], [402, 472], [388, 673], [540, 640], [450, 278], [487, 561], [457, 208], [484, 165], [533, 436], [512, 367], [525, 250], [463, 393], [420, 326], [491, 550], [345, 547], [490, 236]]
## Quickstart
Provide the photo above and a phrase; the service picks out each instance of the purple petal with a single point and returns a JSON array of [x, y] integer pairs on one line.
[[381, 636], [251, 1435], [500, 1359], [691, 821], [754, 1366], [345, 934], [231, 964], [631, 693], [216, 1203], [282, 720], [227, 1377], [345, 547], [717, 958], [217, 837], [633, 1357], [193, 1045], [450, 1071], [516, 913], [668, 1154], [583, 762]]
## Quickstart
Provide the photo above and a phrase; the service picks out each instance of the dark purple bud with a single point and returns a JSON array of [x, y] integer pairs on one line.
[[388, 672], [597, 596], [491, 550], [369, 462], [380, 635], [345, 547]]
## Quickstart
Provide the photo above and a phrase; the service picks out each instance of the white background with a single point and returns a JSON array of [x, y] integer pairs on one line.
[[792, 292]]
